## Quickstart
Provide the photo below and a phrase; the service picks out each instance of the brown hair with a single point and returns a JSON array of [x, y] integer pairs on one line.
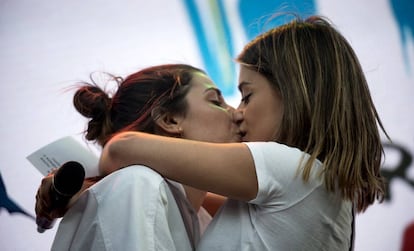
[[328, 110], [137, 102]]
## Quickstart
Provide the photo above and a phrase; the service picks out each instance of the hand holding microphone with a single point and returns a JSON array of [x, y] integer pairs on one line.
[[55, 193]]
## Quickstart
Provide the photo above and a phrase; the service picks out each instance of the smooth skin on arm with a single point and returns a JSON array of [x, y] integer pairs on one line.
[[225, 169]]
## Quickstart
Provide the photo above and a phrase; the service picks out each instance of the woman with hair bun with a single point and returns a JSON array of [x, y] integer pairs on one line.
[[136, 208]]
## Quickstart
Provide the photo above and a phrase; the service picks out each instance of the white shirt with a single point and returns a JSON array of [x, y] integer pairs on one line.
[[287, 213], [131, 209]]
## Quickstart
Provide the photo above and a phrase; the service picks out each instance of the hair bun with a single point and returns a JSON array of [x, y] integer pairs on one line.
[[94, 103], [91, 101]]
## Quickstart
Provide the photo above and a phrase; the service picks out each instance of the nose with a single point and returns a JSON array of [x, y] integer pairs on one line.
[[237, 116]]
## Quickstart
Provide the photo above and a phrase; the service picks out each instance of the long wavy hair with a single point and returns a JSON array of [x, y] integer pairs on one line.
[[328, 112]]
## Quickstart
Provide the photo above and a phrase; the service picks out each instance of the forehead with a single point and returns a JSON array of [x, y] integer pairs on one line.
[[201, 82], [247, 77], [251, 76]]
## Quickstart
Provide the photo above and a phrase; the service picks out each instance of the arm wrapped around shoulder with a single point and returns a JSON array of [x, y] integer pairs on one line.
[[116, 151]]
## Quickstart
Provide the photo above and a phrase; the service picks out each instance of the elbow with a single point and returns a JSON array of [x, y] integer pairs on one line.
[[111, 158], [108, 160]]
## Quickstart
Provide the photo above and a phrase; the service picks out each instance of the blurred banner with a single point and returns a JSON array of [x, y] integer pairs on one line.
[[48, 46]]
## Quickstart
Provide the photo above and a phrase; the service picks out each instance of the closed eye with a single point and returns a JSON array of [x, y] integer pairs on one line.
[[246, 98], [214, 96], [217, 102]]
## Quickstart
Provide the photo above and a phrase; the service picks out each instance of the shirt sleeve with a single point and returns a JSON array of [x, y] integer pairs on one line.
[[124, 211], [279, 178]]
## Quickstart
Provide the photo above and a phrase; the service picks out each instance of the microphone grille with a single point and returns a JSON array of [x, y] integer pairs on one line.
[[68, 180]]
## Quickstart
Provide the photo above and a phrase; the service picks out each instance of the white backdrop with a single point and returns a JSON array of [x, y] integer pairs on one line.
[[46, 46]]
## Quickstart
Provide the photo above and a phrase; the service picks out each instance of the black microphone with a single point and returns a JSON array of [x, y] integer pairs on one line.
[[67, 181]]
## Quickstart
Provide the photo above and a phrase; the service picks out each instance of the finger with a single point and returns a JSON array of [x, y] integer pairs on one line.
[[43, 201], [52, 172]]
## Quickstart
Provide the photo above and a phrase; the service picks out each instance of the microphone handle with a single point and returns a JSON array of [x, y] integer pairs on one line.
[[58, 200]]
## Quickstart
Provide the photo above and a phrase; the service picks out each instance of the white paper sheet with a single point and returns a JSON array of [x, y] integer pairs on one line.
[[55, 154]]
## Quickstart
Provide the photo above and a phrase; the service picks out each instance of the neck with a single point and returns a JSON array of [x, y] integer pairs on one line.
[[195, 196]]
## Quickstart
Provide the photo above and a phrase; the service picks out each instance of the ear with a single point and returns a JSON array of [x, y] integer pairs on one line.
[[169, 123]]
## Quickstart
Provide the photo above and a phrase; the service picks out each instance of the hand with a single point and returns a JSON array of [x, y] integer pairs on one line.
[[44, 207]]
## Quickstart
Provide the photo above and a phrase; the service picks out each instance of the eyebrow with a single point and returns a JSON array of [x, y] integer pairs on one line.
[[213, 89]]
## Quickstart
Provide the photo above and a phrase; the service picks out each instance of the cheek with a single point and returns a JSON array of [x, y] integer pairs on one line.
[[263, 122], [209, 125], [219, 122], [274, 122]]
